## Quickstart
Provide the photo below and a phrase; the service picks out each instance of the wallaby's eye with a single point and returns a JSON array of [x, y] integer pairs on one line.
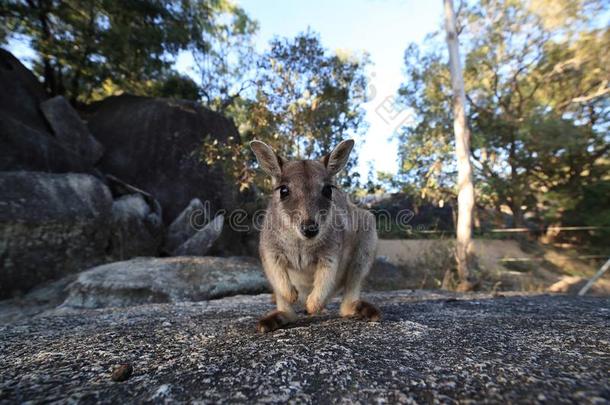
[[284, 192], [327, 191]]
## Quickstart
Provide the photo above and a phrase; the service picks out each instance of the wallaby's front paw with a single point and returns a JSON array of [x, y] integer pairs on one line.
[[313, 305], [293, 296], [363, 310], [273, 321]]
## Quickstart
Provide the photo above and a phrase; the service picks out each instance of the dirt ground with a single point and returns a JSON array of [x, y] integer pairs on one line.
[[502, 265]]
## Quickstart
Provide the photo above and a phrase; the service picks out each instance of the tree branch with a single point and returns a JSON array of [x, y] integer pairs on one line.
[[601, 91]]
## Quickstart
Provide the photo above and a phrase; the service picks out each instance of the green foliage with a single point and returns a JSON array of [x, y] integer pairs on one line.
[[89, 47], [305, 101], [177, 86], [590, 208], [226, 69], [308, 95], [537, 89], [426, 145]]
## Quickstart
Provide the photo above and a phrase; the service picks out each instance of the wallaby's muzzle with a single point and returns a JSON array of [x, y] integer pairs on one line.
[[309, 228]]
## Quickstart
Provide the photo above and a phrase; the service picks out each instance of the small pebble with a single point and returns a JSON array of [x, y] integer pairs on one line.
[[122, 372]]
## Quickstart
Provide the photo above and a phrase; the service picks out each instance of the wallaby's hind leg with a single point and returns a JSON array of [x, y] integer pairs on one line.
[[352, 305], [282, 316], [364, 310]]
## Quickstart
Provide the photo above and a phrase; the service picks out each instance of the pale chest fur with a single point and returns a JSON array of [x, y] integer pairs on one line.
[[305, 259], [302, 262]]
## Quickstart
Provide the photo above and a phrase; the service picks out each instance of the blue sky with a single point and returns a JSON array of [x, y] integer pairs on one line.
[[383, 28]]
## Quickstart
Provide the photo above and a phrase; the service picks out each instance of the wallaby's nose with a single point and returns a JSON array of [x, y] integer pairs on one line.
[[309, 228]]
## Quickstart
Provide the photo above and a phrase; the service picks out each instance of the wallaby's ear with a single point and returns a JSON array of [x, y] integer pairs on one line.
[[269, 161], [335, 162]]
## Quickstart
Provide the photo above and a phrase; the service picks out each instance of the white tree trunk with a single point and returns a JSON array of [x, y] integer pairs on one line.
[[600, 273], [462, 152]]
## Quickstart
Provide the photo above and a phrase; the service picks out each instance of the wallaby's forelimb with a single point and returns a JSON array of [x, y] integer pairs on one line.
[[284, 293], [323, 286], [278, 278]]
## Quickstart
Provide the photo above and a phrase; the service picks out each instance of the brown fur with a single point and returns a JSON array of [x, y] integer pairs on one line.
[[272, 321], [312, 270]]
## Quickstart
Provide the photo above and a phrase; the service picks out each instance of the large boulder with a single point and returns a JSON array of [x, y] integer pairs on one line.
[[174, 279], [137, 228], [200, 243], [50, 225], [23, 147], [21, 92], [137, 221], [70, 130], [37, 133], [155, 145], [26, 141], [40, 299], [185, 225], [429, 348]]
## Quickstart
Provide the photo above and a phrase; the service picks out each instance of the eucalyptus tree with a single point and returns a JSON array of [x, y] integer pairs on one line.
[[536, 82], [465, 187]]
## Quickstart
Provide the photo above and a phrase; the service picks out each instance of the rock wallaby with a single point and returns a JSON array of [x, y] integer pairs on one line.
[[314, 242]]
